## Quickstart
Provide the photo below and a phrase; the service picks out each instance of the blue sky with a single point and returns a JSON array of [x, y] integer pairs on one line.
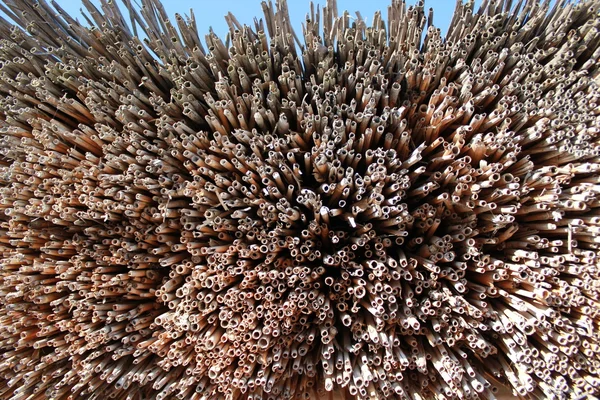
[[211, 13]]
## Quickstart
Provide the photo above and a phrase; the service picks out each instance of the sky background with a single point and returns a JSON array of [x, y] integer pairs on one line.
[[211, 13]]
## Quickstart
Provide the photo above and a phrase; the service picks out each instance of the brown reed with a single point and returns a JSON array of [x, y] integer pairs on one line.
[[360, 211]]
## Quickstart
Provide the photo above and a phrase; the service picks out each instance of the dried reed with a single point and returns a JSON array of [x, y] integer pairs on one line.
[[360, 211]]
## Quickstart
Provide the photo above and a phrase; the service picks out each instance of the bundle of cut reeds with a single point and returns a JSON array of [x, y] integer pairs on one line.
[[360, 211]]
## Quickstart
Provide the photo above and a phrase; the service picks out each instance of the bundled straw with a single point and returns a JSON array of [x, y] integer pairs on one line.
[[364, 211]]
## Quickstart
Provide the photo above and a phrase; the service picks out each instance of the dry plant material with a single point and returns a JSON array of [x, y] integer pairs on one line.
[[360, 211]]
